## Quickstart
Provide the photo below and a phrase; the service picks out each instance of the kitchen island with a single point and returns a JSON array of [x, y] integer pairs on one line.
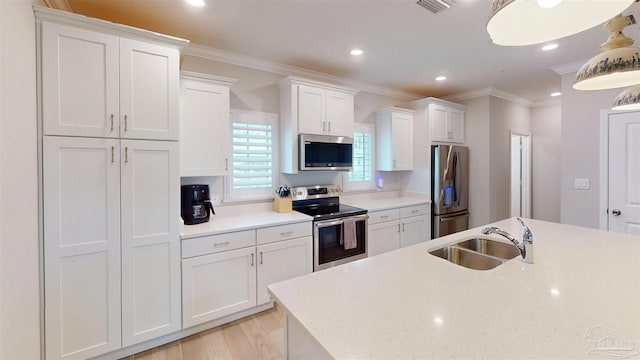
[[580, 299]]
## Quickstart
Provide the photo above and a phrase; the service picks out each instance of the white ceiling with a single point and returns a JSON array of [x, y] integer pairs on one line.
[[406, 46]]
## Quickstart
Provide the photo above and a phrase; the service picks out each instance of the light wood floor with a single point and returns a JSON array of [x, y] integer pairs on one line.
[[260, 336]]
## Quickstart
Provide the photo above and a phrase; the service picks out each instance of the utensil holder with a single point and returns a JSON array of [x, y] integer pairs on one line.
[[282, 204]]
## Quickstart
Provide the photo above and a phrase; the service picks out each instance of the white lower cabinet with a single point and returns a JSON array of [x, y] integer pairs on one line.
[[281, 261], [227, 273], [217, 285], [414, 225], [396, 228]]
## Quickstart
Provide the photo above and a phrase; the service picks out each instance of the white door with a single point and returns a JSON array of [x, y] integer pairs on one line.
[[204, 129], [402, 141], [149, 91], [383, 237], [79, 82], [311, 110], [281, 261], [414, 230], [340, 113], [81, 179], [150, 239], [218, 285], [624, 172], [520, 175]]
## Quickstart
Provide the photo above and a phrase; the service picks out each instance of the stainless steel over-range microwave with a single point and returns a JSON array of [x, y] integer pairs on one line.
[[325, 152]]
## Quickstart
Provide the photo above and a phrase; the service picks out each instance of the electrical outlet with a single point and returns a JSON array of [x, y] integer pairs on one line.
[[581, 184], [215, 199]]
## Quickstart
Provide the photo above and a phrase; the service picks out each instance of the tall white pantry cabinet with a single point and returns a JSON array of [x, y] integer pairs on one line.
[[109, 98]]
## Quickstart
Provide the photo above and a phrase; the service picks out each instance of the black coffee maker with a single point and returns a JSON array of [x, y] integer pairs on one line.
[[196, 205]]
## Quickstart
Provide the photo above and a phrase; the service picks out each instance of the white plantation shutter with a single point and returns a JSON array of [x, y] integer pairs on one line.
[[362, 175], [252, 166]]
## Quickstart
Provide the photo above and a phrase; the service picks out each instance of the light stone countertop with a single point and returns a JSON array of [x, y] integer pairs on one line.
[[241, 217], [376, 204], [580, 299]]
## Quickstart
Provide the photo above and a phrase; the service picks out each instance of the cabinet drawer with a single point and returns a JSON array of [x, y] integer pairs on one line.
[[217, 243], [283, 232], [414, 210], [383, 215]]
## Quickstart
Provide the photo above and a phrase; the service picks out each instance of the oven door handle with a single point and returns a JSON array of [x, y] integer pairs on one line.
[[327, 223]]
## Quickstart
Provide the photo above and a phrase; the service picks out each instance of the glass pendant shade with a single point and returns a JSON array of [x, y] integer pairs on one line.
[[628, 99], [527, 22], [618, 64]]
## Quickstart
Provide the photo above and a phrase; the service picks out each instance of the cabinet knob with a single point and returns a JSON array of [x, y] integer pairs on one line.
[[616, 212]]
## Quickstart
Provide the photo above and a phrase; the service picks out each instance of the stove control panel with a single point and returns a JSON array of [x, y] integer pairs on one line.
[[315, 192]]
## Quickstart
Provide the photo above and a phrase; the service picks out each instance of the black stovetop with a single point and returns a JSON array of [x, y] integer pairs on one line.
[[325, 209]]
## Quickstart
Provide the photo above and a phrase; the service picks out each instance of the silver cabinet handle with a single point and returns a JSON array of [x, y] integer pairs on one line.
[[111, 122], [125, 122], [286, 233], [221, 244], [398, 227], [402, 227], [384, 216], [324, 126], [252, 259], [226, 164], [414, 211], [394, 163], [450, 135], [113, 154], [616, 212], [126, 154], [260, 257], [329, 126]]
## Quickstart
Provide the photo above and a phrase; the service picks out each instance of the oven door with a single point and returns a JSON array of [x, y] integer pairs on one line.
[[330, 248]]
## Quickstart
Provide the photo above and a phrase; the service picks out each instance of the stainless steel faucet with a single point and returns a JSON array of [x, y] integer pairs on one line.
[[526, 247]]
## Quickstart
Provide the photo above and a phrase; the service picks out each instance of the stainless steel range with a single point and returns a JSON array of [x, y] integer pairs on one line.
[[339, 231]]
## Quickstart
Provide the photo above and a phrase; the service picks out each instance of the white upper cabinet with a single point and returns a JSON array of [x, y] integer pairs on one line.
[[311, 107], [102, 85], [447, 122], [204, 124], [394, 139]]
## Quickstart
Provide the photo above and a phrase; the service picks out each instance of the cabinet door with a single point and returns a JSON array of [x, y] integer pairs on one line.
[[383, 237], [311, 110], [79, 82], [217, 285], [414, 230], [438, 117], [402, 141], [204, 129], [456, 126], [340, 113], [81, 179], [281, 261], [150, 184], [149, 91]]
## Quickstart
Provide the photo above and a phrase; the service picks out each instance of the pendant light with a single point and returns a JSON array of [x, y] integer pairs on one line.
[[628, 99], [618, 64], [527, 22]]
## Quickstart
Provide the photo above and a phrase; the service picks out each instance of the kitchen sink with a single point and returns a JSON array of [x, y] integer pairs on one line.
[[477, 253], [490, 247]]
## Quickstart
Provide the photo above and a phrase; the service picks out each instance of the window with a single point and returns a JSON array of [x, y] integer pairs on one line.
[[252, 165], [362, 175]]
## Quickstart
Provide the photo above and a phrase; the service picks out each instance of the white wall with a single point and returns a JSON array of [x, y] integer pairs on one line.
[[546, 125], [580, 151], [19, 259]]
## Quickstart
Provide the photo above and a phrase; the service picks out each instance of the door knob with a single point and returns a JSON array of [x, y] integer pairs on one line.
[[616, 212]]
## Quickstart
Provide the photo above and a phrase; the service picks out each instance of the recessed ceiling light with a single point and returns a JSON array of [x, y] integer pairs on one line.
[[357, 52], [196, 3], [557, 93], [441, 78], [550, 47]]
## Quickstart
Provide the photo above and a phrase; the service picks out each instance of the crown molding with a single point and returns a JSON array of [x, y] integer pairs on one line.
[[568, 68], [228, 57], [59, 4], [489, 91], [544, 103]]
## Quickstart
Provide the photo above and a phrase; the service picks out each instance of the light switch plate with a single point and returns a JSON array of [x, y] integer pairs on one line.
[[215, 199], [581, 184]]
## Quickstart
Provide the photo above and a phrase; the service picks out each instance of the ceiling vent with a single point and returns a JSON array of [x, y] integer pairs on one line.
[[435, 6]]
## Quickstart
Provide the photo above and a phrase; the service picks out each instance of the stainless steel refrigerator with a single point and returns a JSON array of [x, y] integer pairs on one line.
[[449, 189]]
